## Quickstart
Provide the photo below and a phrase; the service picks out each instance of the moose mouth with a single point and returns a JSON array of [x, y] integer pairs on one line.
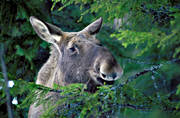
[[104, 82], [98, 79]]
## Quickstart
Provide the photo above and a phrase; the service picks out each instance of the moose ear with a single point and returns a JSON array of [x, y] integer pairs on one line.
[[94, 27], [46, 31]]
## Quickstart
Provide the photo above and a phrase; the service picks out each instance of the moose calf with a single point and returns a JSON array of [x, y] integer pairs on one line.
[[76, 57]]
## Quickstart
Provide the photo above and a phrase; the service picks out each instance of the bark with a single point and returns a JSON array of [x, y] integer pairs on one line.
[[7, 92]]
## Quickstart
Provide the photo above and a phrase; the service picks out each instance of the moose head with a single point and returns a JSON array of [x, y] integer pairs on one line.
[[78, 56]]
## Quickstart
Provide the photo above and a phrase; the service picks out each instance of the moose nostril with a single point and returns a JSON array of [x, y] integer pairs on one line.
[[114, 75], [103, 75]]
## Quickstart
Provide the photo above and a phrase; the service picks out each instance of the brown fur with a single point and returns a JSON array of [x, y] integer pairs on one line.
[[76, 57]]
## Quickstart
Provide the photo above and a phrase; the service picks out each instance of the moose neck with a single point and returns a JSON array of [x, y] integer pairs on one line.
[[49, 73]]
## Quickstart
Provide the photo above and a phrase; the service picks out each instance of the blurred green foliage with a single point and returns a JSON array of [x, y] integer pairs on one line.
[[147, 37]]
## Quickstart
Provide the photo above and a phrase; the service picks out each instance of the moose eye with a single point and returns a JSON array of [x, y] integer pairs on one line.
[[72, 49], [99, 44]]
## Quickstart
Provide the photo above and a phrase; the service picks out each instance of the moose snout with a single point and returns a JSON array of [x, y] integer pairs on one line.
[[105, 68], [110, 71]]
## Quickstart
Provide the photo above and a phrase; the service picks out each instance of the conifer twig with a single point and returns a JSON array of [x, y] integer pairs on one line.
[[137, 107], [152, 68], [49, 89]]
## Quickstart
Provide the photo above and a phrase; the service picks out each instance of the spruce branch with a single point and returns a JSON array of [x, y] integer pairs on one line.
[[49, 89], [151, 69], [136, 107]]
